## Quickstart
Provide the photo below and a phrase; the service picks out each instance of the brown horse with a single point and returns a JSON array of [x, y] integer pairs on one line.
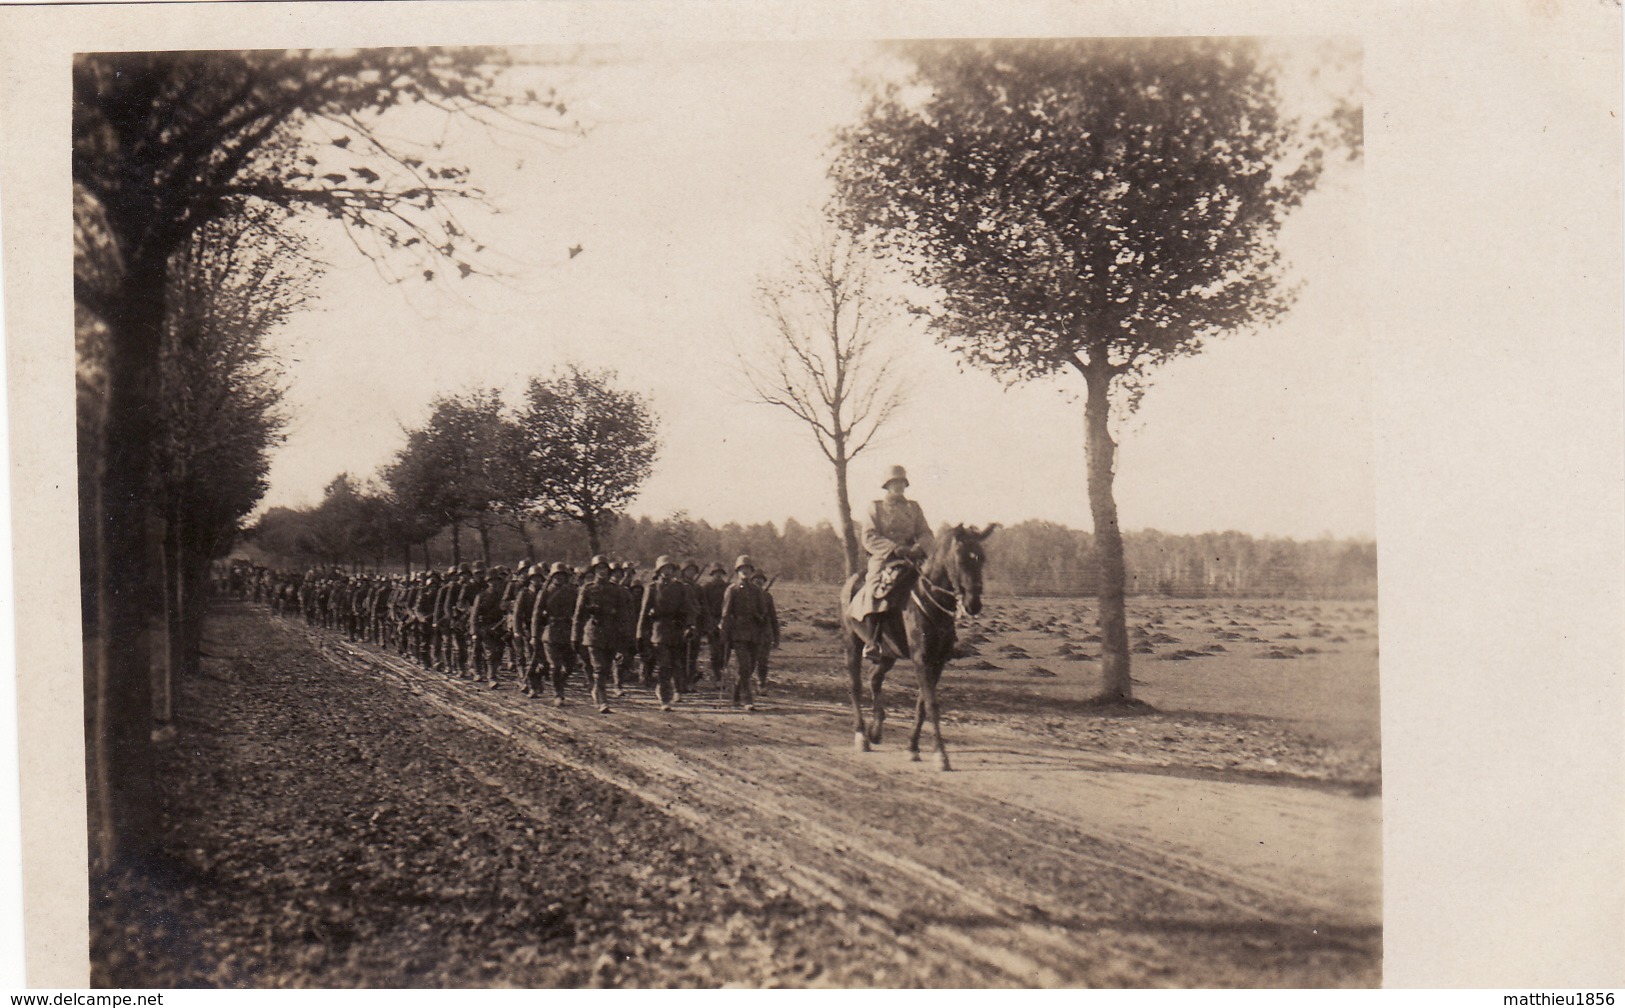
[[949, 583]]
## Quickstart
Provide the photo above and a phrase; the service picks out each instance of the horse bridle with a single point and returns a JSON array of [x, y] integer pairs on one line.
[[934, 590]]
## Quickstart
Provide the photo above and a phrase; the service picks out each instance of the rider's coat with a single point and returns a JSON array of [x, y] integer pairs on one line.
[[896, 527]]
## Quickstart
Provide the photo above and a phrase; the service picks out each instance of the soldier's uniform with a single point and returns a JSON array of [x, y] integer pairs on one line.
[[702, 620], [524, 602], [637, 648], [667, 619], [597, 626], [462, 604], [485, 626], [773, 619], [550, 627], [445, 604], [747, 627], [421, 620], [715, 585], [626, 634]]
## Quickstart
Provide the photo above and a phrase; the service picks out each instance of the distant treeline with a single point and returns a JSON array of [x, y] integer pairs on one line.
[[1031, 558]]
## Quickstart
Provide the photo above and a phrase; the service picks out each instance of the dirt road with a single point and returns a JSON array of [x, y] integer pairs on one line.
[[1054, 854]]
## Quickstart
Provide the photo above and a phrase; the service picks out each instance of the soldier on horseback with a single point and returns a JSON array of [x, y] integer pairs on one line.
[[897, 537]]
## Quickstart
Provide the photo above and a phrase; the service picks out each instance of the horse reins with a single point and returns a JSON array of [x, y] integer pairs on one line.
[[931, 598]]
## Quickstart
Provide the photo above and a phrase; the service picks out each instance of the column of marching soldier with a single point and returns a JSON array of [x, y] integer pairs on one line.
[[548, 624]]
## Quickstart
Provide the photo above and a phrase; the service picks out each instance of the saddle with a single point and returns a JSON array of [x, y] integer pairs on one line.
[[893, 584], [890, 593]]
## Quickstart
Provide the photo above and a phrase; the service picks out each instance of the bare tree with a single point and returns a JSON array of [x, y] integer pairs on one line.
[[824, 356]]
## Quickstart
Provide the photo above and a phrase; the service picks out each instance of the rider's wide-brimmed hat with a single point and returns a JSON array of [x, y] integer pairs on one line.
[[744, 560], [897, 473], [662, 562]]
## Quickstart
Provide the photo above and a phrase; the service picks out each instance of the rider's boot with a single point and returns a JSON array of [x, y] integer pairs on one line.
[[871, 650]]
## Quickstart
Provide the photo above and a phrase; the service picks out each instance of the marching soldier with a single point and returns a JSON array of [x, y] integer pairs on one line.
[[626, 644], [747, 627], [703, 619], [485, 625], [471, 581], [626, 634], [597, 626], [550, 629], [421, 617], [760, 580], [638, 649], [524, 602], [444, 603], [667, 619], [715, 585]]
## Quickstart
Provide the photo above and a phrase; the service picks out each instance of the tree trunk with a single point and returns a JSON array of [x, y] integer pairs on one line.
[[406, 552], [843, 499], [485, 542], [456, 544], [118, 701], [593, 542], [194, 596], [530, 545], [166, 664], [1101, 453]]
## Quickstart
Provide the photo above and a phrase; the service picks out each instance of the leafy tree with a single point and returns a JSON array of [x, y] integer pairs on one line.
[[589, 447], [220, 404], [1094, 206], [452, 470], [163, 143], [824, 359]]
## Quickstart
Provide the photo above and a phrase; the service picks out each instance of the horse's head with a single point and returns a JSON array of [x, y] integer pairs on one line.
[[962, 559]]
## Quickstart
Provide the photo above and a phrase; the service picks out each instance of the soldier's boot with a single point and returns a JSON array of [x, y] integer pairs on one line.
[[599, 699], [495, 670], [871, 650]]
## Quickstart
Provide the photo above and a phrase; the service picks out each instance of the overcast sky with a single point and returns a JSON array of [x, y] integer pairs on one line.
[[702, 166]]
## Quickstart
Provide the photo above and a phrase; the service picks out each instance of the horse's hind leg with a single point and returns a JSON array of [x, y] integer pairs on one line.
[[928, 684], [854, 671], [877, 681]]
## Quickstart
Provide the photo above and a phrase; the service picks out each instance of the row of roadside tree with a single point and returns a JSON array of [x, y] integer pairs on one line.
[[1033, 557]]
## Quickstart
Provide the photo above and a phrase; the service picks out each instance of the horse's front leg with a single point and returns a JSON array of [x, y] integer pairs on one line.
[[854, 671], [877, 681], [919, 722], [928, 693]]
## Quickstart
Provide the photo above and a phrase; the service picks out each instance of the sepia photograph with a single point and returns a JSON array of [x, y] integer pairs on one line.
[[895, 510]]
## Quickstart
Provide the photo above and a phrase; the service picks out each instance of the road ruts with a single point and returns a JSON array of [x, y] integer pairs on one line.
[[990, 889]]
